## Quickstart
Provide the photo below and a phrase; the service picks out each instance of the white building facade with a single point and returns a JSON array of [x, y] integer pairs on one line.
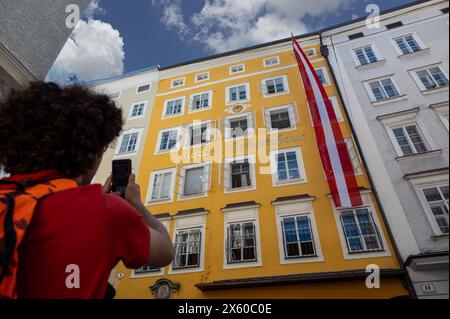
[[394, 80], [134, 93]]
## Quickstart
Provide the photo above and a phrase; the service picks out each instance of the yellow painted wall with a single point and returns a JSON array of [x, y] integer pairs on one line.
[[264, 194]]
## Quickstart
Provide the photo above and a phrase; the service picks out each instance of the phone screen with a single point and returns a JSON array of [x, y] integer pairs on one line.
[[121, 171]]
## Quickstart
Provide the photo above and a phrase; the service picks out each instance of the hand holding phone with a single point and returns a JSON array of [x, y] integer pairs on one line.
[[121, 171]]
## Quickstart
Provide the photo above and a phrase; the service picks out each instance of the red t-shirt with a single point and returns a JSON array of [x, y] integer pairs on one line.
[[83, 227]]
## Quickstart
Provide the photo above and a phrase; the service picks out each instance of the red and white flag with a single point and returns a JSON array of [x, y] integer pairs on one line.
[[333, 150]]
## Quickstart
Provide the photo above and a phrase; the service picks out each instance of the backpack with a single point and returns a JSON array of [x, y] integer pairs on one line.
[[18, 202]]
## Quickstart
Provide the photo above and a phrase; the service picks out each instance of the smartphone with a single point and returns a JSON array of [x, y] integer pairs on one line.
[[121, 171]]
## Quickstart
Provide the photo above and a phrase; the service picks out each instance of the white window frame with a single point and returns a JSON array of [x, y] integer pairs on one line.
[[149, 200], [187, 141], [184, 223], [293, 116], [207, 170], [166, 103], [311, 50], [158, 143], [250, 126], [408, 118], [277, 62], [173, 86], [134, 275], [419, 83], [140, 132], [235, 66], [228, 95], [429, 181], [367, 203], [372, 97], [375, 52], [200, 74], [227, 174], [130, 115], [325, 74], [415, 36], [297, 208], [285, 85], [337, 109], [242, 215], [142, 85], [191, 101], [300, 163]]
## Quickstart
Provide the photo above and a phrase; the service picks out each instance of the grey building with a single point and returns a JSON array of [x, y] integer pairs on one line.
[[394, 81], [32, 33]]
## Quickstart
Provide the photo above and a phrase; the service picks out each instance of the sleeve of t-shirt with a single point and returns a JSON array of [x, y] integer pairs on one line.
[[129, 235]]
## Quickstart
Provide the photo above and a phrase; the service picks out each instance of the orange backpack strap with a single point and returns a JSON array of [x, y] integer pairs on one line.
[[17, 206]]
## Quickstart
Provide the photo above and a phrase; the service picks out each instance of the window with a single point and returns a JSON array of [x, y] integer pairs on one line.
[[383, 90], [310, 53], [177, 83], [438, 202], [199, 134], [241, 243], [240, 174], [143, 88], [441, 110], [281, 118], [361, 232], [298, 239], [202, 77], [271, 61], [275, 85], [237, 69], [287, 166], [187, 249], [146, 270], [323, 75], [432, 78], [409, 139], [238, 93], [238, 125], [195, 180], [354, 156], [407, 44], [201, 101], [161, 185], [114, 95], [129, 142], [174, 107], [394, 25], [168, 140], [366, 55], [356, 36], [138, 109]]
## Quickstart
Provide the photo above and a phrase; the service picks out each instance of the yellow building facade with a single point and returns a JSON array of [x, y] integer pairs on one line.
[[259, 221]]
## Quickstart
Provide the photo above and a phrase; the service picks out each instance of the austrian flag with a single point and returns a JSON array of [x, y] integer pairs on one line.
[[333, 150]]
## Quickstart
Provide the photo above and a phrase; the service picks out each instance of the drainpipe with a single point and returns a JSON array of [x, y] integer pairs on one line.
[[325, 52]]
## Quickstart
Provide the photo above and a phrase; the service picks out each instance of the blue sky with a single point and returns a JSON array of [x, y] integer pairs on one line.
[[118, 37]]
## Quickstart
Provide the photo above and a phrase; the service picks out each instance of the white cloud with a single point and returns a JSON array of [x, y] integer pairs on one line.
[[93, 10], [93, 51], [224, 25]]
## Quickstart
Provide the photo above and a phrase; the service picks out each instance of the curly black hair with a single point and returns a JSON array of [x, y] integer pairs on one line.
[[48, 127]]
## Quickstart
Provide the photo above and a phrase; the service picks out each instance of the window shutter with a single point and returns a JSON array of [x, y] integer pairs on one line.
[[264, 87], [293, 115], [228, 246], [312, 234], [267, 119], [254, 241], [251, 121], [226, 176], [227, 128], [206, 179], [184, 136], [345, 233], [380, 240], [283, 234]]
